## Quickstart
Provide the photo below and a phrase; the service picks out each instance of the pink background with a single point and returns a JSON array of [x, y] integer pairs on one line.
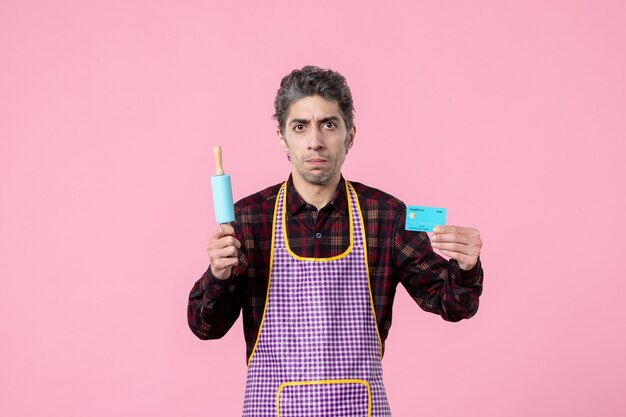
[[510, 115]]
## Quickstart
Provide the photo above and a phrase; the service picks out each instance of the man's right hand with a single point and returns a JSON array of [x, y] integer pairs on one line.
[[222, 251]]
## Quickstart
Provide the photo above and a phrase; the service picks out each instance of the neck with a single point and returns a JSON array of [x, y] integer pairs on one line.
[[316, 195]]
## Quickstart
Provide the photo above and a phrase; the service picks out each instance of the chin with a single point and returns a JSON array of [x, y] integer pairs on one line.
[[320, 179]]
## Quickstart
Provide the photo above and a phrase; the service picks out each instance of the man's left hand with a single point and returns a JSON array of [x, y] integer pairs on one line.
[[460, 243]]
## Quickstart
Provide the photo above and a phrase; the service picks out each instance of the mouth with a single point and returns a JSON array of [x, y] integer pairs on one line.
[[316, 163], [316, 160]]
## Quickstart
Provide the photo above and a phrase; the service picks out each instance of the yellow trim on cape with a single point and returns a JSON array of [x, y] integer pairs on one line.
[[332, 258], [269, 276], [367, 269], [326, 381]]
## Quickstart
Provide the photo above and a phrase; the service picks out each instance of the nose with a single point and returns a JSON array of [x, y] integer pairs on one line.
[[316, 139]]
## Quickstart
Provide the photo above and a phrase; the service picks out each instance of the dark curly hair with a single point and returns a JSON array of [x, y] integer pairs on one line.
[[309, 81]]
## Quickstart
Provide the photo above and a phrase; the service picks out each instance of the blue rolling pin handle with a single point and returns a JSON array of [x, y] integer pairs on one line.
[[222, 199]]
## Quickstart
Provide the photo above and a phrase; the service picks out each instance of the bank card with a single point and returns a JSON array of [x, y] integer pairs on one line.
[[423, 219]]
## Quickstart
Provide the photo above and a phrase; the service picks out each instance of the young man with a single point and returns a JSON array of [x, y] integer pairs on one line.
[[314, 264]]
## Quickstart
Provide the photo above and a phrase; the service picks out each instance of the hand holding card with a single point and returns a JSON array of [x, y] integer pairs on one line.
[[460, 243]]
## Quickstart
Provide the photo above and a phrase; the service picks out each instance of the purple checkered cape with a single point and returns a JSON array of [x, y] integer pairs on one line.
[[318, 350]]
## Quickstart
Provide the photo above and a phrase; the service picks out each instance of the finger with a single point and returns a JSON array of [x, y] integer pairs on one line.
[[224, 230], [224, 242], [223, 263], [222, 256], [465, 262], [230, 241], [462, 259], [456, 229], [227, 252], [470, 250], [455, 237]]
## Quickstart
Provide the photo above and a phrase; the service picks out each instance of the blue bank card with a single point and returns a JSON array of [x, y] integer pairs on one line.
[[423, 219]]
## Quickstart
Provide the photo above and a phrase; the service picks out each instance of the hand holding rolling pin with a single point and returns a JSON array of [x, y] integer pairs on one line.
[[223, 245]]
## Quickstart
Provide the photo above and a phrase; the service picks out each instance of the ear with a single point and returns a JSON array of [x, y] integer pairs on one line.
[[283, 142], [350, 138]]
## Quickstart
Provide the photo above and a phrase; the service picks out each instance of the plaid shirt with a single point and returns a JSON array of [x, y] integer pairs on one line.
[[394, 255]]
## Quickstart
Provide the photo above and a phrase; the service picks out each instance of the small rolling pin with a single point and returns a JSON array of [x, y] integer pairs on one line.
[[222, 191]]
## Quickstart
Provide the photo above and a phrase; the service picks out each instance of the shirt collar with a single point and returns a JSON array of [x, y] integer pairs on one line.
[[295, 203]]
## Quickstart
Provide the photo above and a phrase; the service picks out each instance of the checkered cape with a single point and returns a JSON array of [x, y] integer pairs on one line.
[[318, 350]]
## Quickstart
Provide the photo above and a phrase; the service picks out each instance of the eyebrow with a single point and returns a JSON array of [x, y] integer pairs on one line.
[[299, 121], [330, 119], [307, 121]]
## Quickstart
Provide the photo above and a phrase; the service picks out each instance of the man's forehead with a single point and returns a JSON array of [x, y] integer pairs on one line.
[[313, 107]]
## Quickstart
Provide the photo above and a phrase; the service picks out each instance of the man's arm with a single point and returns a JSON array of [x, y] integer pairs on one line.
[[217, 297], [439, 286]]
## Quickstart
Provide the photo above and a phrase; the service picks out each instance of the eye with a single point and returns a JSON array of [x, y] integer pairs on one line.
[[330, 125], [298, 127]]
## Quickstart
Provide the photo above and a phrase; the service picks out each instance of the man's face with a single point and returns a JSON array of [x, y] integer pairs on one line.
[[316, 139]]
